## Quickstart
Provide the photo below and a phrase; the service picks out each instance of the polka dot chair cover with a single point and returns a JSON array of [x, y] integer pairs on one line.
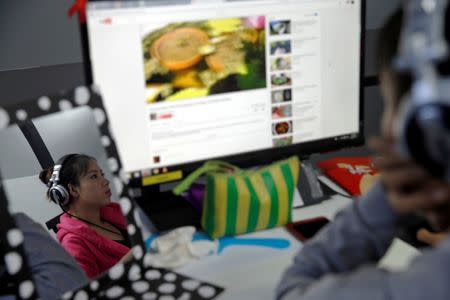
[[133, 280], [11, 248]]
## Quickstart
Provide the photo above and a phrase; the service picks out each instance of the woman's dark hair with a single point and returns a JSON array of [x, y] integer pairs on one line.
[[388, 44], [71, 172]]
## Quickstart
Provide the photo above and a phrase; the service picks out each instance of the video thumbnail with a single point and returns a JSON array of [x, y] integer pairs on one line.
[[280, 27], [283, 142], [280, 64], [196, 59], [282, 79], [281, 128], [281, 96], [281, 112], [280, 47]]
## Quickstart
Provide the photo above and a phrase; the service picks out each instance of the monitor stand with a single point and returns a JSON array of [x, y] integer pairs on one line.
[[165, 210]]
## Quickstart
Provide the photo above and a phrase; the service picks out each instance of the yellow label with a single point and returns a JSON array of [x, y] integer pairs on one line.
[[162, 178]]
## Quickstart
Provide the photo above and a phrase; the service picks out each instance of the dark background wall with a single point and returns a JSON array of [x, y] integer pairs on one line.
[[36, 33], [40, 51]]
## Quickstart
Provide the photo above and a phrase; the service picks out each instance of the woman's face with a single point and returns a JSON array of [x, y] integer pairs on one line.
[[94, 188]]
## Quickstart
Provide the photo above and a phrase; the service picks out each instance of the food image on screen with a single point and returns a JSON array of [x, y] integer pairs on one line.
[[178, 50], [280, 47], [280, 64], [280, 112], [196, 59], [281, 96], [282, 79], [282, 142], [277, 96], [282, 128]]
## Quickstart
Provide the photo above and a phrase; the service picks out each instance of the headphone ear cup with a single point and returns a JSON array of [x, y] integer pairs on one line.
[[59, 195], [426, 142]]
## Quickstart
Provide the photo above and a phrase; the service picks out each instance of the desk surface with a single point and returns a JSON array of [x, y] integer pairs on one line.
[[253, 272]]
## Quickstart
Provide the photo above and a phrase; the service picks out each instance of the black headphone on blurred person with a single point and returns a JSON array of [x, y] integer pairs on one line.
[[57, 192], [423, 128]]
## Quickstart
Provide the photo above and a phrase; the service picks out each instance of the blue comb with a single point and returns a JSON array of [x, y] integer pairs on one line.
[[265, 243], [225, 242]]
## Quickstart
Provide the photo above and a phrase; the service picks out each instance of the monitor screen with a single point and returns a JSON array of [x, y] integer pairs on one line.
[[185, 83]]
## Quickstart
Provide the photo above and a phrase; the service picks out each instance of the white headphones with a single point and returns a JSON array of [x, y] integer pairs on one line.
[[423, 128]]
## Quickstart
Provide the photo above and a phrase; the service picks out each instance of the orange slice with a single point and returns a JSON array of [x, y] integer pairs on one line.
[[179, 49]]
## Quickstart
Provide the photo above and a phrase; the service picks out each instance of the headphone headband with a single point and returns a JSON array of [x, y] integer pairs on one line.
[[54, 179]]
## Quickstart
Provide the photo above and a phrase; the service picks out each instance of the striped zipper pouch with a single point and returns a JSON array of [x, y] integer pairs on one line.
[[238, 202]]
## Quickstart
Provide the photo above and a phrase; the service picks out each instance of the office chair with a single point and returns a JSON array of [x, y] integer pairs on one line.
[[52, 223]]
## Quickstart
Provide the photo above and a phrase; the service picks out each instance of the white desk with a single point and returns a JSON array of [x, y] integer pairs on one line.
[[253, 272]]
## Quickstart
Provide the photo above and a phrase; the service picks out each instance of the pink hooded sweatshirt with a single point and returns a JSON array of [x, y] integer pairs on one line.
[[93, 252]]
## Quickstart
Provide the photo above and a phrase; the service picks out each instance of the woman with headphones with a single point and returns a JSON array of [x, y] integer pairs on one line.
[[93, 229]]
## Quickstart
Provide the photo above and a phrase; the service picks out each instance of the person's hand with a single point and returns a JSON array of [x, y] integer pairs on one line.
[[409, 187], [430, 238]]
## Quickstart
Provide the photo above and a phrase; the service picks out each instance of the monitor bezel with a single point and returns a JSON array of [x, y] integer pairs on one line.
[[265, 156]]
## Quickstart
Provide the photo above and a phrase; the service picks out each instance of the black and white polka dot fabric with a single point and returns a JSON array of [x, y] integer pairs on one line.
[[65, 100], [12, 252], [135, 280]]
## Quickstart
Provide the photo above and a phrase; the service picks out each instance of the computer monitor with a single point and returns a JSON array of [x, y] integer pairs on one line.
[[249, 82]]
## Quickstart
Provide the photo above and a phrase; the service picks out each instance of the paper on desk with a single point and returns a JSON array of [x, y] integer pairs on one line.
[[332, 185], [399, 256], [298, 201]]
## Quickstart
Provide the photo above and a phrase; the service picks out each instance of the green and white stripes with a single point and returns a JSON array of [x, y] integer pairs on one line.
[[249, 201]]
